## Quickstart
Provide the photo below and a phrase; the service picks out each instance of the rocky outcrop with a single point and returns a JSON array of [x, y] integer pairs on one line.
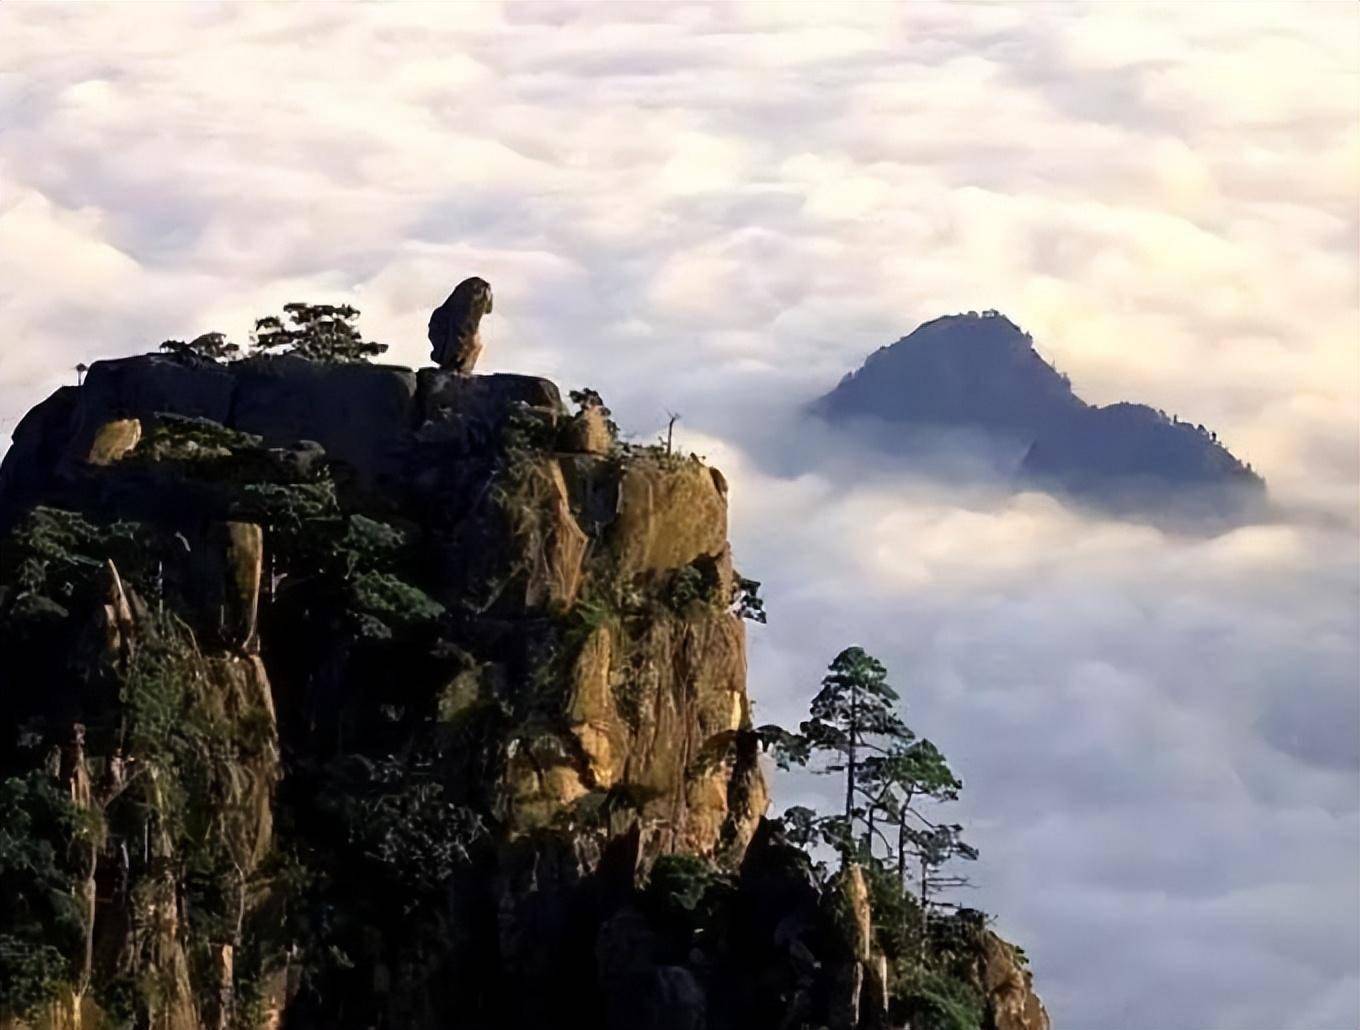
[[361, 415], [588, 432], [153, 804], [455, 342], [114, 441], [319, 579], [1008, 986], [349, 696], [859, 977]]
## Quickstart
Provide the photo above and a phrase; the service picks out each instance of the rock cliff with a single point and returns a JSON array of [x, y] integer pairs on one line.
[[352, 696]]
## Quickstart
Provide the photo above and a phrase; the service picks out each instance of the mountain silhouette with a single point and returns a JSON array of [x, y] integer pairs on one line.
[[977, 377]]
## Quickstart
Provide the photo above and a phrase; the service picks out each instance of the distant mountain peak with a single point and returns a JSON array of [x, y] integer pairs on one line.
[[970, 369], [980, 372]]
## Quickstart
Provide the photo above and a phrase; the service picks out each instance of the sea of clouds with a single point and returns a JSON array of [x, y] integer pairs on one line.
[[717, 210]]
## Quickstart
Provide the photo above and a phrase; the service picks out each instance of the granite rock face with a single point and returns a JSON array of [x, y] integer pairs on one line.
[[1008, 986], [350, 696], [360, 414], [526, 653]]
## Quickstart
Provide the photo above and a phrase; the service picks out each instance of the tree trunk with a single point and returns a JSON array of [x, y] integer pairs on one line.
[[870, 834], [902, 849], [850, 776], [925, 915]]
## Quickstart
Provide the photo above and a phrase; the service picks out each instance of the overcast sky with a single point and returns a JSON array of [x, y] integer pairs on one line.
[[718, 210]]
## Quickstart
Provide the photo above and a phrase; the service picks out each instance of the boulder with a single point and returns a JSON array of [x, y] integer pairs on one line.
[[114, 441], [360, 413], [670, 512], [139, 387], [587, 432], [39, 441], [472, 412]]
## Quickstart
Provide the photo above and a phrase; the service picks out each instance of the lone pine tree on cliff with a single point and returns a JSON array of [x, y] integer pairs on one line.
[[853, 719], [888, 775]]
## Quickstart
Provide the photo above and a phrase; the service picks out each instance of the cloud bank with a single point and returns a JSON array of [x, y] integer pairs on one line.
[[720, 209]]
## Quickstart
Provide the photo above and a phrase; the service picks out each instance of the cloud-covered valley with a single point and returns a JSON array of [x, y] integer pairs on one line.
[[718, 210]]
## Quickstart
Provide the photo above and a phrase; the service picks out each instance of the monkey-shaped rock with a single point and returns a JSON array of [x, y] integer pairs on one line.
[[454, 340]]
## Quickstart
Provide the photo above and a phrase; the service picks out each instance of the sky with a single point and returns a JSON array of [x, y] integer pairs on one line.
[[718, 210]]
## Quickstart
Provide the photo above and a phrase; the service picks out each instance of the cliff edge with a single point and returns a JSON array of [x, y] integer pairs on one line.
[[352, 696]]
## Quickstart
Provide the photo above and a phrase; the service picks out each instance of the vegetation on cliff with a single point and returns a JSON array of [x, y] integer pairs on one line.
[[316, 332], [439, 721]]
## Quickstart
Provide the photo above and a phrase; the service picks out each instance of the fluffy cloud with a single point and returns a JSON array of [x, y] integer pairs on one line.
[[719, 209]]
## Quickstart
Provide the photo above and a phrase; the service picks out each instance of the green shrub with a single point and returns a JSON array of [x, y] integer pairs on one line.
[[679, 881], [934, 1001], [39, 829], [31, 974], [371, 544], [179, 438], [686, 586], [384, 605], [212, 347], [57, 554]]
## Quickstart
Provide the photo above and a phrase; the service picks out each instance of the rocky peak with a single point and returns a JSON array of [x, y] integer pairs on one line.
[[960, 369], [980, 374], [441, 580]]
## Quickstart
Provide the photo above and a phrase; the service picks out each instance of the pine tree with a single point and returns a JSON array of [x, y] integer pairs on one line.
[[853, 720], [890, 776], [317, 332], [208, 347]]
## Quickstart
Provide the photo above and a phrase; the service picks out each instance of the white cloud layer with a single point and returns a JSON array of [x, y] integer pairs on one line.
[[719, 209]]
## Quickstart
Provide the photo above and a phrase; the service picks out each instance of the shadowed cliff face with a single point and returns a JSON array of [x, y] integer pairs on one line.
[[975, 383], [351, 696]]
